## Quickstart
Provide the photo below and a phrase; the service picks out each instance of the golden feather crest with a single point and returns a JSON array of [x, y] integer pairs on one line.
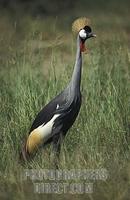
[[79, 24]]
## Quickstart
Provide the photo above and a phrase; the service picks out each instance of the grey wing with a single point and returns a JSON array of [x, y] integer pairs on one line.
[[48, 111]]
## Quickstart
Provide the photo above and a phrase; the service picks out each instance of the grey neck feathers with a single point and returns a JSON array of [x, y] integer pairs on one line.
[[76, 76]]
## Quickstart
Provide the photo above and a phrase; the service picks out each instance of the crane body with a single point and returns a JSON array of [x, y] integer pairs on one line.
[[56, 118]]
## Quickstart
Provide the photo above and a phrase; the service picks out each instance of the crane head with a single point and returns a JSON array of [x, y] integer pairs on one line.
[[84, 34], [82, 27]]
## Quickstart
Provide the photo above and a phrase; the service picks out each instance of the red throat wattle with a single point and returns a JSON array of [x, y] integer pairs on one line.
[[82, 46]]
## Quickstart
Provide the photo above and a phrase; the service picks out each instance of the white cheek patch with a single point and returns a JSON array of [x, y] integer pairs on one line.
[[82, 34]]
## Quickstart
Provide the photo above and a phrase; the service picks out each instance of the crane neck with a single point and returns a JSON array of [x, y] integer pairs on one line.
[[76, 76]]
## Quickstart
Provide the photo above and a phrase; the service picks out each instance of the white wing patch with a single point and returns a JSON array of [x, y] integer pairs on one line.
[[57, 106], [45, 130]]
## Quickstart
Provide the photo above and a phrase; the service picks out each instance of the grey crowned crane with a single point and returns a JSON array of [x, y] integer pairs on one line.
[[55, 119]]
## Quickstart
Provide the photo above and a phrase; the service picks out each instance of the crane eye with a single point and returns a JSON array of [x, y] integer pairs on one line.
[[88, 29], [82, 34]]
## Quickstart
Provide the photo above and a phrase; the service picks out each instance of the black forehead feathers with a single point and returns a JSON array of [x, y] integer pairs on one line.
[[87, 29]]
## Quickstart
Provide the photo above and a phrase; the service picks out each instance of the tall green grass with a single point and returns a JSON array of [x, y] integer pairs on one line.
[[34, 68]]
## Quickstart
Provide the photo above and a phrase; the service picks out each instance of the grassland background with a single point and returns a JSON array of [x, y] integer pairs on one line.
[[37, 55]]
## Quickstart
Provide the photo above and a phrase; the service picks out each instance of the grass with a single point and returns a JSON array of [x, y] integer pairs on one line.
[[34, 68]]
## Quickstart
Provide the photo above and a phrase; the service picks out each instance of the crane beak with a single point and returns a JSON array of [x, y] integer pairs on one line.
[[91, 35], [94, 35]]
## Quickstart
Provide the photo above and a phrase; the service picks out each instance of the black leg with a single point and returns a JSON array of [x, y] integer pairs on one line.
[[57, 141]]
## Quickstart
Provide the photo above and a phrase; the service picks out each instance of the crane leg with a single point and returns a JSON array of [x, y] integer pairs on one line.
[[57, 141]]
